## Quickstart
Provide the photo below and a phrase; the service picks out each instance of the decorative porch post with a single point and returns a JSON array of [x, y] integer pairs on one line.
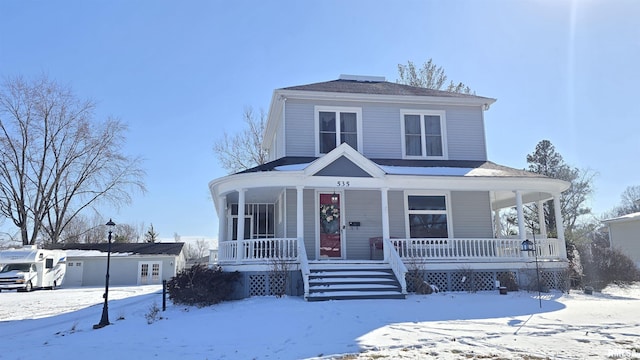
[[299, 213], [541, 220], [222, 217], [496, 223], [240, 228], [559, 224], [384, 196], [521, 225]]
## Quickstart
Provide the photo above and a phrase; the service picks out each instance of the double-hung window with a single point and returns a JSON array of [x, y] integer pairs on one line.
[[337, 125], [427, 216], [423, 134]]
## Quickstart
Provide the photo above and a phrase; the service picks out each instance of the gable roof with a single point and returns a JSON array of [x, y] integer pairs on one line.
[[132, 248], [377, 88]]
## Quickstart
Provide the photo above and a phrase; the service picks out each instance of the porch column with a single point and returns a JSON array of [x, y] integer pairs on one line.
[[559, 224], [496, 223], [222, 218], [384, 196], [384, 199], [299, 213], [541, 220], [521, 228], [240, 228]]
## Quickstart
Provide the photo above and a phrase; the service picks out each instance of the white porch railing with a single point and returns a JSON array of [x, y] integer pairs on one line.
[[479, 249], [394, 260], [258, 250], [304, 267]]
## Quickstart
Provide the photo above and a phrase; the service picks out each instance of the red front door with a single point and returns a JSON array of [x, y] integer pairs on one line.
[[330, 226]]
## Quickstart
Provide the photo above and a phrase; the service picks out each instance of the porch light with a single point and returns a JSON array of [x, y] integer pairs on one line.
[[530, 246], [334, 198], [527, 246]]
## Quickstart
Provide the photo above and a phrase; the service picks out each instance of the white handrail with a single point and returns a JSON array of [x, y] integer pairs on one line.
[[395, 261], [304, 266], [458, 249], [258, 250]]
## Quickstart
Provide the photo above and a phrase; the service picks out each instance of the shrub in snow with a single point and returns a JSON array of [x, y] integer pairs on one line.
[[508, 280], [604, 266], [201, 286], [153, 314]]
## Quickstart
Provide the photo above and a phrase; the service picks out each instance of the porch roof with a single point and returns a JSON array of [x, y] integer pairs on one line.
[[410, 167]]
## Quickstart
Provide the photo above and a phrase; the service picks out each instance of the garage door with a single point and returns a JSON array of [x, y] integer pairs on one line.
[[73, 277]]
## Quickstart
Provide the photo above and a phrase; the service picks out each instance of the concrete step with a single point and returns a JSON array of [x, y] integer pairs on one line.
[[353, 282]]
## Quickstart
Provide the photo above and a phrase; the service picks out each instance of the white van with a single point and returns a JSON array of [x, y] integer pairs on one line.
[[31, 268]]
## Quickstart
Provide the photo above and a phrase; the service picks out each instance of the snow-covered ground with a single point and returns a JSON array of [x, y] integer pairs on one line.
[[58, 325]]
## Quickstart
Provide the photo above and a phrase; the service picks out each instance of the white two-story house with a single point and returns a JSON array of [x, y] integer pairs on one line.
[[370, 179]]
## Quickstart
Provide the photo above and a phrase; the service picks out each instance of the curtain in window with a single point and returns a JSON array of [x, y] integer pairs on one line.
[[433, 135], [413, 135], [327, 131], [349, 129]]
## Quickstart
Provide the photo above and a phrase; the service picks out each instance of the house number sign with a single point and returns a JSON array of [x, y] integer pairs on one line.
[[340, 183]]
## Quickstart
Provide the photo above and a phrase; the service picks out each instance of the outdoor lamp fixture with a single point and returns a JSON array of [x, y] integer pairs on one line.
[[334, 198], [530, 246], [104, 321]]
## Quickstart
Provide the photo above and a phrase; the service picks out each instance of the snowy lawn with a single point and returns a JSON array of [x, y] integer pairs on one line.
[[58, 325]]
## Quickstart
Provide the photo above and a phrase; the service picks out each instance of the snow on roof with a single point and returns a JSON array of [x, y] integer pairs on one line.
[[93, 253], [623, 218], [414, 170]]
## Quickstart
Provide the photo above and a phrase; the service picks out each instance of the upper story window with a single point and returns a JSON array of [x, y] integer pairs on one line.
[[337, 125], [423, 134]]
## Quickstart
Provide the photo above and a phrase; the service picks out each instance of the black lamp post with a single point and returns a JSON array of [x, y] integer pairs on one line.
[[530, 246], [104, 321]]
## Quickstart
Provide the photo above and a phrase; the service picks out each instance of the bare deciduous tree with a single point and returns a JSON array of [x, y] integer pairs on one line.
[[430, 76], [629, 201], [243, 150], [56, 160], [126, 233], [197, 250]]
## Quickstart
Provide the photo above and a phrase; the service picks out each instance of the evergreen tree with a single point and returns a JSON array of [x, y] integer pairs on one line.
[[545, 160]]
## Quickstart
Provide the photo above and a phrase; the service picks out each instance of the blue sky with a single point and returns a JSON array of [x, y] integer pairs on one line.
[[179, 73]]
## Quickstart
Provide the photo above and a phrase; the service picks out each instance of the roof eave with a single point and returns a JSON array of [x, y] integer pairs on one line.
[[401, 99]]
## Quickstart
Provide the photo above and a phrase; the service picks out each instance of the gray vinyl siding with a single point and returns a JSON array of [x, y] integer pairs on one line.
[[397, 214], [382, 133], [381, 129], [309, 219], [300, 131], [465, 134], [471, 214], [310, 223], [364, 206], [625, 236]]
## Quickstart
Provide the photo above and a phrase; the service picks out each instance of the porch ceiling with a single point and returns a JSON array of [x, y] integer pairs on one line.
[[505, 199], [257, 195]]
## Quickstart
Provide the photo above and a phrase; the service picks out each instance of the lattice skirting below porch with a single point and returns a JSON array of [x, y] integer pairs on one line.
[[472, 280]]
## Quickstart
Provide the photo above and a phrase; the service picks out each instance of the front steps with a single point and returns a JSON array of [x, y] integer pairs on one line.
[[344, 282]]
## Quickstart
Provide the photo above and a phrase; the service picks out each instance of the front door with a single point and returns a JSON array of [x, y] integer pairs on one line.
[[330, 226]]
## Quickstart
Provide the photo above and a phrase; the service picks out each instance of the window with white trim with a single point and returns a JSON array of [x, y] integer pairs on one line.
[[423, 134], [427, 216], [337, 125]]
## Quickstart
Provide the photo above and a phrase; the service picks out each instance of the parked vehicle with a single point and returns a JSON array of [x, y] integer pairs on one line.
[[31, 268]]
